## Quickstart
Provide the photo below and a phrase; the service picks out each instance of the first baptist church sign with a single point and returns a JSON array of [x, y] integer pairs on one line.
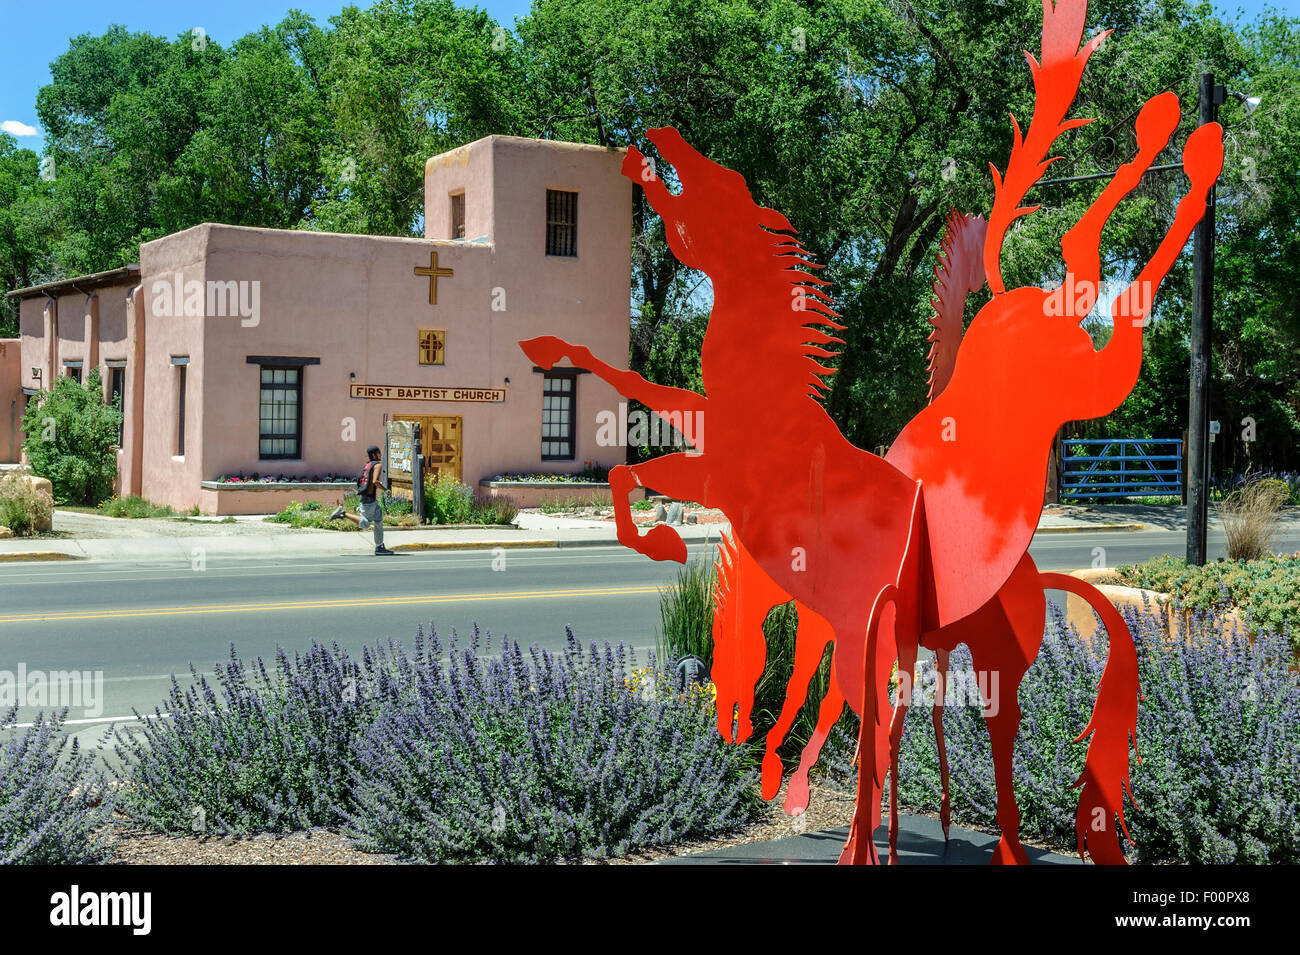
[[422, 393], [431, 349]]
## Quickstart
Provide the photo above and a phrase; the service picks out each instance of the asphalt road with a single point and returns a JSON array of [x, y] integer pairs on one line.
[[140, 623]]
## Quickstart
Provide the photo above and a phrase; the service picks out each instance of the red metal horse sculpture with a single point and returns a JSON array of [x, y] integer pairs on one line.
[[929, 545]]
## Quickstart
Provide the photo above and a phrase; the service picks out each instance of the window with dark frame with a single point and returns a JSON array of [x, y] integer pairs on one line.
[[280, 417], [458, 215], [559, 417], [74, 372], [116, 398], [180, 410], [561, 222]]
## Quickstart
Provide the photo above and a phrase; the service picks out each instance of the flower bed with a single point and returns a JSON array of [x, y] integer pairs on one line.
[[268, 497], [1218, 730], [539, 493]]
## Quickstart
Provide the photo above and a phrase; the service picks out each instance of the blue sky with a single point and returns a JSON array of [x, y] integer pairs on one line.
[[34, 33]]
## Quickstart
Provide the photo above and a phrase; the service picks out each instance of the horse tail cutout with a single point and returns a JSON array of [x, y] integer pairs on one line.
[[1105, 777]]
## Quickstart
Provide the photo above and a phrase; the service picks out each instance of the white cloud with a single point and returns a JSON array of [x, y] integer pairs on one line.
[[15, 128]]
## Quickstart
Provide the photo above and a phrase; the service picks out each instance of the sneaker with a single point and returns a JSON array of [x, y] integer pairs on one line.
[[383, 552], [337, 513]]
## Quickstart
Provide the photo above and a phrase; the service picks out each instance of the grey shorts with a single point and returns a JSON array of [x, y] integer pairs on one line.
[[371, 513]]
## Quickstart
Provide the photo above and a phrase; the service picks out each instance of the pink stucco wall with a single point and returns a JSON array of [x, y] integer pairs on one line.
[[11, 400]]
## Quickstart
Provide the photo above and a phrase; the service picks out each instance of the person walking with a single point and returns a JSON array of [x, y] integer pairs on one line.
[[369, 484]]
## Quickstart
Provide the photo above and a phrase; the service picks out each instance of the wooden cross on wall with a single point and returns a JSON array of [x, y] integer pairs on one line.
[[433, 272]]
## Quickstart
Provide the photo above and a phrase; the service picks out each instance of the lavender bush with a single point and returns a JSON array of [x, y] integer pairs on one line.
[[1218, 731], [531, 757], [52, 810], [261, 750], [441, 755]]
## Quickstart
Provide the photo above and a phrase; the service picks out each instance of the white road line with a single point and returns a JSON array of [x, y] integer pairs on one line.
[[241, 568], [98, 719]]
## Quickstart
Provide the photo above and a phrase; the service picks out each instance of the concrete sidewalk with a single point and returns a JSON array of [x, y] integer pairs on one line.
[[96, 537], [920, 842], [312, 542]]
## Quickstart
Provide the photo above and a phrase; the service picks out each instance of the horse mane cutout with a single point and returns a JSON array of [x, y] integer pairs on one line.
[[959, 271]]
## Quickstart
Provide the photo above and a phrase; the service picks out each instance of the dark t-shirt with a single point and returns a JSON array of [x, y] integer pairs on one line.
[[368, 482]]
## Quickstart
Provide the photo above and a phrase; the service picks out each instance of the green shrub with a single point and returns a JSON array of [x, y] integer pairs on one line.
[[686, 614], [447, 501], [571, 504], [1251, 516], [1267, 591], [23, 508], [311, 514], [493, 510], [72, 439], [135, 507]]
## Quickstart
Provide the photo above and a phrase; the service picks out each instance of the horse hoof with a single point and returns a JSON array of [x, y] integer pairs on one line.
[[772, 773], [796, 794], [664, 543], [1009, 853], [545, 350]]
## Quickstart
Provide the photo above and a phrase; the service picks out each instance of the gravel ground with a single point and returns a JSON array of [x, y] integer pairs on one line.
[[97, 527], [829, 808], [138, 846]]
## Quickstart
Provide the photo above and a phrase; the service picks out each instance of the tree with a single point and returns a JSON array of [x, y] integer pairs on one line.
[[72, 438], [407, 80], [864, 121], [28, 226]]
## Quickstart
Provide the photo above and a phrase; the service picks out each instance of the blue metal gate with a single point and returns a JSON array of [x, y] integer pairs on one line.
[[1121, 467]]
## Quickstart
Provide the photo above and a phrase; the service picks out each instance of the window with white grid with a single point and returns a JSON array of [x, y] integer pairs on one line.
[[558, 417], [280, 418]]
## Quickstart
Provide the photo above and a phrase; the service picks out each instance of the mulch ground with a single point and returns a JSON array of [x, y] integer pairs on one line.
[[138, 846]]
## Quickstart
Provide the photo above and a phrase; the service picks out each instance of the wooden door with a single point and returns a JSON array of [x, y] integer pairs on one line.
[[440, 437]]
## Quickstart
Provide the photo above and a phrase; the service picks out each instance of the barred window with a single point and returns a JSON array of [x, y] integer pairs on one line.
[[561, 222], [280, 432], [559, 417]]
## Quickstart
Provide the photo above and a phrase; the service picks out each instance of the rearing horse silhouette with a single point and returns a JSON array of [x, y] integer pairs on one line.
[[929, 545]]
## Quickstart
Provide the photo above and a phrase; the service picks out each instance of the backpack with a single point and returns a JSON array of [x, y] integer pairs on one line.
[[366, 478]]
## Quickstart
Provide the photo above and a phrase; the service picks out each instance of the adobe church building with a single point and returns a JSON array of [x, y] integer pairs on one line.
[[238, 350]]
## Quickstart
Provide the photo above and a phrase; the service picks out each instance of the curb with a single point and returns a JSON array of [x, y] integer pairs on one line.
[[1089, 529], [39, 555], [471, 545]]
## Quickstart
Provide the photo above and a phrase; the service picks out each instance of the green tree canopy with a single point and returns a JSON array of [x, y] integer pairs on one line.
[[864, 121]]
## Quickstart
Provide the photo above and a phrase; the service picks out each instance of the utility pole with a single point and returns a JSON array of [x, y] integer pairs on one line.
[[1198, 405], [1197, 448]]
